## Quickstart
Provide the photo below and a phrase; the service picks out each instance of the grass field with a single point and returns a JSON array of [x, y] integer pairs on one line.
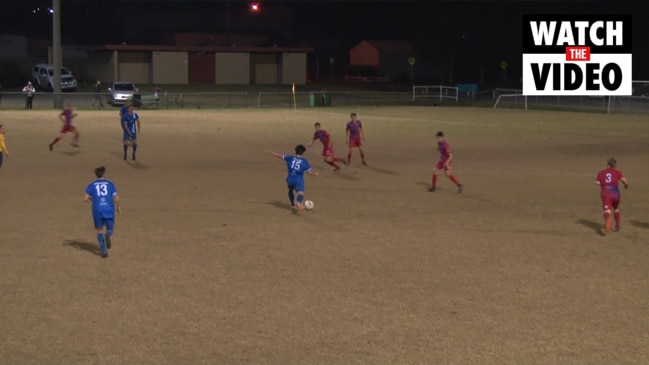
[[210, 266]]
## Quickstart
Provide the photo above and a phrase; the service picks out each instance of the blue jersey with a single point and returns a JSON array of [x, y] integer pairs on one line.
[[129, 120], [102, 193], [123, 111], [297, 166]]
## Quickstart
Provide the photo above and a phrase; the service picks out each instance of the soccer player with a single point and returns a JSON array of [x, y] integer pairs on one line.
[[297, 167], [3, 146], [445, 160], [105, 202], [355, 138], [328, 147], [123, 110], [609, 180], [131, 127], [66, 117]]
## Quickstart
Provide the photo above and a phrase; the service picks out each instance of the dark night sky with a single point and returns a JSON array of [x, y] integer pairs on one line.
[[489, 30]]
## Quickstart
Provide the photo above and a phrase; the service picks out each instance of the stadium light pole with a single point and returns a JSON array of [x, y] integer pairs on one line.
[[56, 53]]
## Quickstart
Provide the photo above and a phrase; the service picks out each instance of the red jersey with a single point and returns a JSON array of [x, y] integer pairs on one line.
[[444, 150], [354, 129], [609, 180], [323, 136], [68, 114]]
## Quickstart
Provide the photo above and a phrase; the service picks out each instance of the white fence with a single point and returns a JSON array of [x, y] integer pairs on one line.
[[436, 91]]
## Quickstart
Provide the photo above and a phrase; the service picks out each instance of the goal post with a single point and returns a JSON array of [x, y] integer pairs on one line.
[[439, 92]]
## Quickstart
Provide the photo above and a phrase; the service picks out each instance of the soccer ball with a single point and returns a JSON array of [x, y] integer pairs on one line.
[[308, 204]]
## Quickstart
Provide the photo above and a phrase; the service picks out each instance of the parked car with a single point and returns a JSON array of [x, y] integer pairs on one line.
[[43, 78], [119, 92]]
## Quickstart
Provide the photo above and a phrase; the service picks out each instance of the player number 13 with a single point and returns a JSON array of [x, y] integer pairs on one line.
[[102, 190]]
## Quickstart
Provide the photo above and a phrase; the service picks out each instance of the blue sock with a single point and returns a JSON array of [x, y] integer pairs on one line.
[[125, 149], [134, 149], [109, 232], [300, 197], [102, 244], [291, 197]]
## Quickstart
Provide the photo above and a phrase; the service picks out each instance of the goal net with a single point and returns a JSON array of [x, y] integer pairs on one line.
[[636, 103], [438, 92]]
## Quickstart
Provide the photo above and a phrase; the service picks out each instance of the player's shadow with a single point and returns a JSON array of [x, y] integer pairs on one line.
[[131, 163], [71, 153], [639, 224], [595, 226], [93, 248], [382, 171], [281, 205], [342, 175]]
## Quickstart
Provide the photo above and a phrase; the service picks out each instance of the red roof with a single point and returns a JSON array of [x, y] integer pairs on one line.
[[392, 46], [172, 48]]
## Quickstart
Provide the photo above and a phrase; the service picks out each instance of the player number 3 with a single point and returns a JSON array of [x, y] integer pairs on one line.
[[608, 178], [102, 190]]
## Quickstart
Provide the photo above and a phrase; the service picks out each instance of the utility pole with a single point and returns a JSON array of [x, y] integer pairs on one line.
[[56, 53]]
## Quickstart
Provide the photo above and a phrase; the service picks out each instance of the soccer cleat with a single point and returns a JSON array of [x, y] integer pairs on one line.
[[51, 148], [617, 228], [459, 188], [74, 145], [337, 169], [431, 189], [104, 255], [364, 163], [107, 239]]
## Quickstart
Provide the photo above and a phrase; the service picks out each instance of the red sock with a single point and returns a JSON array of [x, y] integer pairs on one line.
[[338, 159], [434, 180], [454, 180], [349, 157], [616, 214], [333, 164], [362, 156], [607, 216], [55, 140]]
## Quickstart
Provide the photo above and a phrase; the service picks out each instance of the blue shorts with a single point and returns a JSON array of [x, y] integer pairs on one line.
[[128, 137], [295, 183], [101, 222]]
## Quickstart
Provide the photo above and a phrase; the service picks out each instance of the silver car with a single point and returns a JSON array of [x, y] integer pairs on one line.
[[119, 92], [43, 78]]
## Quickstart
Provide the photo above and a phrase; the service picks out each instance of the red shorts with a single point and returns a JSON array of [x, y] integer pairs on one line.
[[610, 202], [441, 166], [68, 128], [328, 152], [355, 142]]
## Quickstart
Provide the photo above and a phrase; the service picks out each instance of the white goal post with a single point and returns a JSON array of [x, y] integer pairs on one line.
[[435, 91], [638, 102]]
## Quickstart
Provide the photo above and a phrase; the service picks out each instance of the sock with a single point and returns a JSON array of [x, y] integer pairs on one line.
[[333, 164], [300, 197], [291, 197], [349, 157], [454, 180], [616, 214], [109, 232], [434, 180], [55, 141], [125, 150], [134, 149], [338, 159], [362, 156], [102, 244], [607, 217]]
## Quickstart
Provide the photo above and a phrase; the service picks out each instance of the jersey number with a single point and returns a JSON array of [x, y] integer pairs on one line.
[[295, 164], [102, 190], [608, 178]]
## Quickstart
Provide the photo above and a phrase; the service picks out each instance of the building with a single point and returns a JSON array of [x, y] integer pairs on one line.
[[388, 58], [194, 64]]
